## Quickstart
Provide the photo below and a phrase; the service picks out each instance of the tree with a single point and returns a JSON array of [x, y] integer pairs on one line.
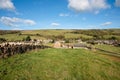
[[67, 41], [27, 38], [20, 34], [2, 40], [113, 38]]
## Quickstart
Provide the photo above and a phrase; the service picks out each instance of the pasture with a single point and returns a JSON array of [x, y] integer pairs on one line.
[[65, 34], [109, 48], [60, 64]]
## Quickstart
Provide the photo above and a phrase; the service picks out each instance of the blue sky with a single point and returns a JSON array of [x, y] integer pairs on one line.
[[59, 14]]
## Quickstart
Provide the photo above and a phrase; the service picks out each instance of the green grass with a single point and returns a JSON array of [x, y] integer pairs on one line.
[[109, 48], [67, 34], [109, 36], [46, 32], [72, 35], [13, 37], [59, 64]]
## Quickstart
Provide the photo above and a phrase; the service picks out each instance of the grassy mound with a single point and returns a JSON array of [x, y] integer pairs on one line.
[[59, 64]]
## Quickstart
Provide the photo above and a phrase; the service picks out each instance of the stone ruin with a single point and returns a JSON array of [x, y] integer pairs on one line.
[[9, 49]]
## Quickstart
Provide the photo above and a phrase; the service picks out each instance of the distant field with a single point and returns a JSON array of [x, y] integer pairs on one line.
[[108, 36], [12, 37], [66, 34], [46, 32], [75, 36], [59, 64]]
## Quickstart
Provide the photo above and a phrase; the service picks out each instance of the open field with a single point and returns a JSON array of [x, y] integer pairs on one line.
[[12, 37], [60, 40], [59, 64], [66, 34], [63, 64]]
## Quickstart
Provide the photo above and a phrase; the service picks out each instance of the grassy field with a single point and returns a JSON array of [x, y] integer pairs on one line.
[[44, 34], [66, 34], [108, 36], [59, 64], [71, 35], [12, 37], [109, 48], [47, 32]]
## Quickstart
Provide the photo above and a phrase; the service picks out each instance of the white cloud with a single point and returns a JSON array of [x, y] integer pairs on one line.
[[15, 22], [7, 4], [16, 28], [117, 3], [106, 24], [55, 24], [29, 22], [88, 5], [63, 14]]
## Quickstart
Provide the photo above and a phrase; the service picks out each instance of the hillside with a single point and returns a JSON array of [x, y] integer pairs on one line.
[[61, 34], [59, 64]]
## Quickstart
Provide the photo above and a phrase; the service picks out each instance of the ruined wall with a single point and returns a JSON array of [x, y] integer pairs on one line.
[[9, 50]]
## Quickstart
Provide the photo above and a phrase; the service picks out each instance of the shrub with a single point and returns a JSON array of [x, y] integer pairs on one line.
[[27, 38], [2, 40]]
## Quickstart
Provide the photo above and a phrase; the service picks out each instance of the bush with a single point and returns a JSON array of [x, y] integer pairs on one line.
[[20, 34], [27, 38], [112, 38], [2, 40], [53, 41], [67, 41]]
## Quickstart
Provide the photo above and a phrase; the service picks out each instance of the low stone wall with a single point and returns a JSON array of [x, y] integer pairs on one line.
[[9, 50]]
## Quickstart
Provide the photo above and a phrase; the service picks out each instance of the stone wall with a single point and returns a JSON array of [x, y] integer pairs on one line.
[[7, 50]]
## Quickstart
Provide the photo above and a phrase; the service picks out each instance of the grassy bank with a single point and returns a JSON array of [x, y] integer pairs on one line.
[[109, 48], [59, 64]]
